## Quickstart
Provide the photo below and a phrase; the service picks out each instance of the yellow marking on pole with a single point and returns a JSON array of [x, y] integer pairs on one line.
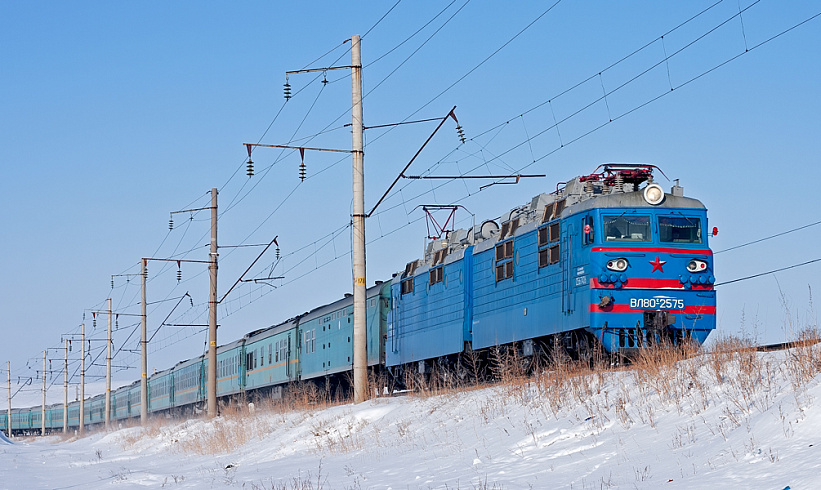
[[143, 375], [360, 281], [213, 344]]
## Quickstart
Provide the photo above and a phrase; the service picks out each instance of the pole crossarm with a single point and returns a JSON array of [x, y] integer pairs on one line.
[[301, 148], [190, 210], [177, 260], [314, 70]]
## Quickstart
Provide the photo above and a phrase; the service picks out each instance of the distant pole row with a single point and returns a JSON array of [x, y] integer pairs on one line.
[[359, 292]]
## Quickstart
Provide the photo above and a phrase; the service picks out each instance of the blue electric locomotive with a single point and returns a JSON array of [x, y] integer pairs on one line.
[[601, 259]]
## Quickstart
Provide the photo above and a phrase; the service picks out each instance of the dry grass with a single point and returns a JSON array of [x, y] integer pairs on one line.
[[685, 379]]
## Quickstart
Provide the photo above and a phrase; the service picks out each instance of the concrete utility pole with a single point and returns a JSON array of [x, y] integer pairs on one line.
[[143, 347], [65, 391], [360, 353], [82, 378], [212, 312], [8, 367], [43, 412], [108, 373]]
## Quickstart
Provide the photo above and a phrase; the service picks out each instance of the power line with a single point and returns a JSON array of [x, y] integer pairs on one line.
[[767, 238], [768, 272]]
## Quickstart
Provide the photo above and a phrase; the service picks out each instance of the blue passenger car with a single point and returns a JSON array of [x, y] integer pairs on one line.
[[230, 379], [326, 334], [189, 382], [160, 391], [272, 356]]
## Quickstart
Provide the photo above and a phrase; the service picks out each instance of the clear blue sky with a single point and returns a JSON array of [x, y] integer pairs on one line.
[[116, 114]]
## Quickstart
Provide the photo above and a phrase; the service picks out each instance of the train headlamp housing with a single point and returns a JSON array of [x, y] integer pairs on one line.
[[696, 265], [618, 265], [653, 194]]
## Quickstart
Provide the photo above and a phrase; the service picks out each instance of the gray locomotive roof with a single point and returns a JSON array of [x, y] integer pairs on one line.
[[632, 200], [577, 195]]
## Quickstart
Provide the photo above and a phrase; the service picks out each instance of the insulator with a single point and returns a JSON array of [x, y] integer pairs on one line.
[[171, 223], [112, 283], [277, 252], [302, 171], [250, 171], [190, 299], [619, 183], [324, 80], [287, 90], [461, 133], [94, 322], [69, 346], [179, 275]]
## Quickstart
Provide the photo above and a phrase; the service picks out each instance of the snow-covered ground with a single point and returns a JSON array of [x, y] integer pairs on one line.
[[748, 420]]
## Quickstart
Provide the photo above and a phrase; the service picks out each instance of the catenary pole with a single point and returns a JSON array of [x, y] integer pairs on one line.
[[43, 411], [65, 390], [143, 347], [360, 356], [212, 312], [82, 378], [108, 373]]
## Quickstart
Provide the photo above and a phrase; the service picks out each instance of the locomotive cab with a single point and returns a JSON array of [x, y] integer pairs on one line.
[[649, 271]]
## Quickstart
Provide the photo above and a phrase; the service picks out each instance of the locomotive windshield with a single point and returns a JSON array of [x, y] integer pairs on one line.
[[679, 229], [627, 228]]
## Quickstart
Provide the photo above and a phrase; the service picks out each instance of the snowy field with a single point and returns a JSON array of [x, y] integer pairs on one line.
[[716, 420]]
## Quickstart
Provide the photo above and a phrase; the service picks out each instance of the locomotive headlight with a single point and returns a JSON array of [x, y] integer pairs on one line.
[[618, 265], [697, 265], [653, 194]]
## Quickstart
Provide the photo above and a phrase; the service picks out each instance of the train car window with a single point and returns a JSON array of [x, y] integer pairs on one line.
[[504, 264], [543, 236], [436, 275], [543, 257], [679, 229], [407, 286], [555, 253], [270, 356], [504, 250], [555, 231], [622, 228]]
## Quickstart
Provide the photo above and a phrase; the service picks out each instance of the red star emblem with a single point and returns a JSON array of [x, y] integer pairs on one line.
[[658, 265]]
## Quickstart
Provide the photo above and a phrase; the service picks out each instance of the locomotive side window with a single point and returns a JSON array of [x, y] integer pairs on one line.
[[679, 229], [407, 286], [543, 236], [555, 231], [504, 262], [627, 228], [436, 275], [549, 234]]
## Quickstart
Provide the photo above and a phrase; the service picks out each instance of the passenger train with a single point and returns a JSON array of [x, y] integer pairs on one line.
[[607, 260]]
